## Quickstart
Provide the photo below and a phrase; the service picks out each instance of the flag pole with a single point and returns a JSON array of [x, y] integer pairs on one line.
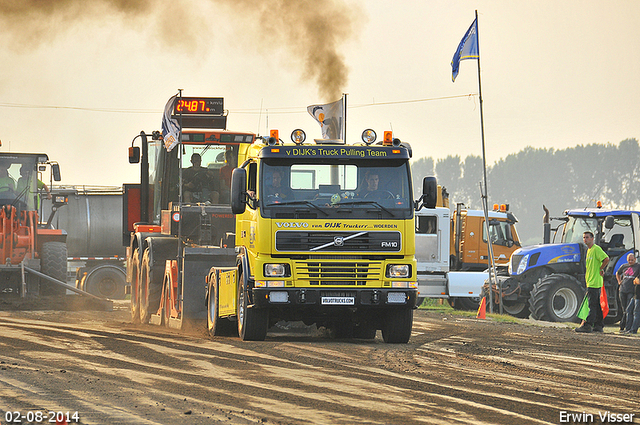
[[485, 192], [344, 118]]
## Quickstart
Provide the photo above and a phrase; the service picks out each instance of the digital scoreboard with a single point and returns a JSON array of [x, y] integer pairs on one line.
[[199, 106]]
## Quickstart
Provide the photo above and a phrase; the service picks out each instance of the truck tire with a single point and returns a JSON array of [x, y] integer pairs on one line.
[[106, 281], [252, 323], [135, 286], [466, 304], [150, 288], [516, 309], [53, 260], [397, 325], [217, 326], [556, 298]]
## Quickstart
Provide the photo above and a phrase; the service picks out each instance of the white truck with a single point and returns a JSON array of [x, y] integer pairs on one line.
[[452, 252]]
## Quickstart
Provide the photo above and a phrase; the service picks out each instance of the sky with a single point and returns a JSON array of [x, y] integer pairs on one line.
[[81, 78]]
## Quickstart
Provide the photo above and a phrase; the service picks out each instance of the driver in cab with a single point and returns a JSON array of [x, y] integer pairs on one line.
[[277, 189], [198, 182], [372, 190]]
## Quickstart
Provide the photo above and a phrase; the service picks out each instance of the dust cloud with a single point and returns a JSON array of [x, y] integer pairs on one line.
[[311, 32]]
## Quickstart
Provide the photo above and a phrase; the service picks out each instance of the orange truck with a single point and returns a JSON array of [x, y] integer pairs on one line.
[[452, 250]]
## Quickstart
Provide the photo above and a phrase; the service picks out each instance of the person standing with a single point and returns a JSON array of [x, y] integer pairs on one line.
[[625, 276], [597, 261], [633, 310]]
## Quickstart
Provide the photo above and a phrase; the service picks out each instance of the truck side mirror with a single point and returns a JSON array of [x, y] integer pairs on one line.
[[134, 155], [430, 192], [55, 168], [238, 190]]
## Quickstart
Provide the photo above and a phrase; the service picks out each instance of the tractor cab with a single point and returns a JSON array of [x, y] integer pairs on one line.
[[21, 184]]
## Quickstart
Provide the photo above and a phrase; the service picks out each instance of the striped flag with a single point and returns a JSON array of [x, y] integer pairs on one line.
[[170, 126]]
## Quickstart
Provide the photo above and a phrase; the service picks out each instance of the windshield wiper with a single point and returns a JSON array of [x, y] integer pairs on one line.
[[360, 202], [303, 202]]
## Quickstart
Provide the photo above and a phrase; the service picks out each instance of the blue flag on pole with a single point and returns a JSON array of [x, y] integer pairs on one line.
[[467, 49], [170, 126]]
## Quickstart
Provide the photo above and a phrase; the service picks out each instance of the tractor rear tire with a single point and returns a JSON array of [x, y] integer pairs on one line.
[[135, 286], [53, 260], [556, 298], [150, 288]]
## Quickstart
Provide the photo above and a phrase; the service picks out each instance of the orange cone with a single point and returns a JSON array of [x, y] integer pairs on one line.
[[482, 310]]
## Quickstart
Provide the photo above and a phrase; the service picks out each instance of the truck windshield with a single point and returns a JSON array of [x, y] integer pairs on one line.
[[502, 233], [19, 182], [352, 189]]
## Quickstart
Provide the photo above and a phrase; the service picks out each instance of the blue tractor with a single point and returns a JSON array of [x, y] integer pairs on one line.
[[547, 282]]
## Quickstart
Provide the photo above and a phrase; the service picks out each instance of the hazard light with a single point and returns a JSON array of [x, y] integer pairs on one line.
[[388, 138]]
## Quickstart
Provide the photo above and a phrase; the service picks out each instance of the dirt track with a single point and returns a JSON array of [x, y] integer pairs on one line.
[[455, 369]]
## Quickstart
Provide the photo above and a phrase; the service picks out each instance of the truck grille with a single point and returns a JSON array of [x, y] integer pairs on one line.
[[338, 273], [320, 242]]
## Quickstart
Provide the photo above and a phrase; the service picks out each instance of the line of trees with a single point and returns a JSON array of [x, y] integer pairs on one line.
[[575, 177]]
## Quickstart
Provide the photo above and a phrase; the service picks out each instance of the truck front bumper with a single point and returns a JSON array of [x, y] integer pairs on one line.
[[335, 297]]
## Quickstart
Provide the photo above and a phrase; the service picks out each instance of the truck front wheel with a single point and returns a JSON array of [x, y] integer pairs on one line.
[[397, 325], [252, 323], [556, 298]]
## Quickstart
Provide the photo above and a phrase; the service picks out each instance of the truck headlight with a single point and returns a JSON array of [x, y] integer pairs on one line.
[[523, 264], [398, 270], [274, 270]]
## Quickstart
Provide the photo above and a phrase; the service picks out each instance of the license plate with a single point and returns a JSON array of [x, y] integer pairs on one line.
[[338, 300]]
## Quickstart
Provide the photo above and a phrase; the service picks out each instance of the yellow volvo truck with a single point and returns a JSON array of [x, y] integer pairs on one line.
[[243, 231], [324, 235]]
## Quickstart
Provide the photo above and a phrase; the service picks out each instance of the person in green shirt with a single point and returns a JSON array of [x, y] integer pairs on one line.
[[597, 262], [23, 182]]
